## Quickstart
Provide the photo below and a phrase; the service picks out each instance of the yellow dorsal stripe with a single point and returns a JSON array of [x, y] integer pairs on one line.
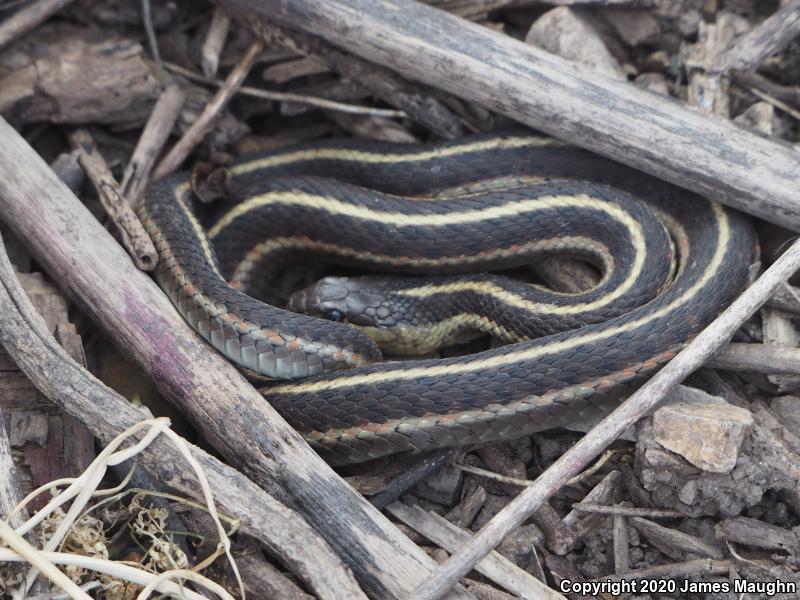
[[337, 207], [365, 156]]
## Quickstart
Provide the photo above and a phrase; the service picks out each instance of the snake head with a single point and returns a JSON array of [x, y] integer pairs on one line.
[[359, 301]]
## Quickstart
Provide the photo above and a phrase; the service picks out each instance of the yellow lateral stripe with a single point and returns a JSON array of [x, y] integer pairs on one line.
[[244, 270], [501, 360], [365, 156], [427, 338]]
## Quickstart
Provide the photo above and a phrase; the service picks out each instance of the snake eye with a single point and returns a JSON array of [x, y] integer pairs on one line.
[[333, 314]]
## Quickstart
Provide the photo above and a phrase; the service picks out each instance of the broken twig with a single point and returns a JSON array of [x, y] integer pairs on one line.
[[195, 134], [771, 36], [27, 18], [131, 231]]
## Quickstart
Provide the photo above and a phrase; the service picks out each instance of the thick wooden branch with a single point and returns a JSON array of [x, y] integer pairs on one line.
[[761, 358], [657, 135], [82, 256], [72, 388], [771, 36]]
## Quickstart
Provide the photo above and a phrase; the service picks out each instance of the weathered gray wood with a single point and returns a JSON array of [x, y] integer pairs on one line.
[[655, 134], [10, 493], [494, 566], [72, 388], [25, 19], [771, 36], [50, 444], [761, 358], [83, 257]]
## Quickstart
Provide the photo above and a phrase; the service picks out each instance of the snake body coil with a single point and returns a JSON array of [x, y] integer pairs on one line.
[[353, 408]]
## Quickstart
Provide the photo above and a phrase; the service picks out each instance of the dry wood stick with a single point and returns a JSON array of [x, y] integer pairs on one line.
[[657, 135], [621, 545], [602, 493], [761, 358], [750, 50], [131, 231], [628, 511], [690, 569], [195, 134], [752, 532], [214, 42], [265, 581], [147, 18], [289, 96], [629, 412], [494, 566], [786, 297], [429, 465], [787, 95], [673, 542], [25, 19], [10, 492], [69, 243], [73, 389], [155, 134]]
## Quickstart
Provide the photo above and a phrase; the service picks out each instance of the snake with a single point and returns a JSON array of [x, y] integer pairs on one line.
[[433, 231]]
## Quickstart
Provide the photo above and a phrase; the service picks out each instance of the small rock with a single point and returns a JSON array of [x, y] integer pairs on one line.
[[763, 118], [440, 556], [518, 545], [786, 409], [443, 487], [707, 434], [655, 82], [689, 23], [633, 26], [572, 35]]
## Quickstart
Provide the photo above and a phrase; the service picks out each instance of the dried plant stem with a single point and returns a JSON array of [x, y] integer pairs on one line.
[[289, 97], [27, 18], [214, 42], [154, 135], [10, 493], [771, 36], [108, 567], [18, 547], [134, 237], [195, 134]]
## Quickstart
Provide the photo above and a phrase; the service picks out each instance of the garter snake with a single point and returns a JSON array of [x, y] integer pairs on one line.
[[352, 407]]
